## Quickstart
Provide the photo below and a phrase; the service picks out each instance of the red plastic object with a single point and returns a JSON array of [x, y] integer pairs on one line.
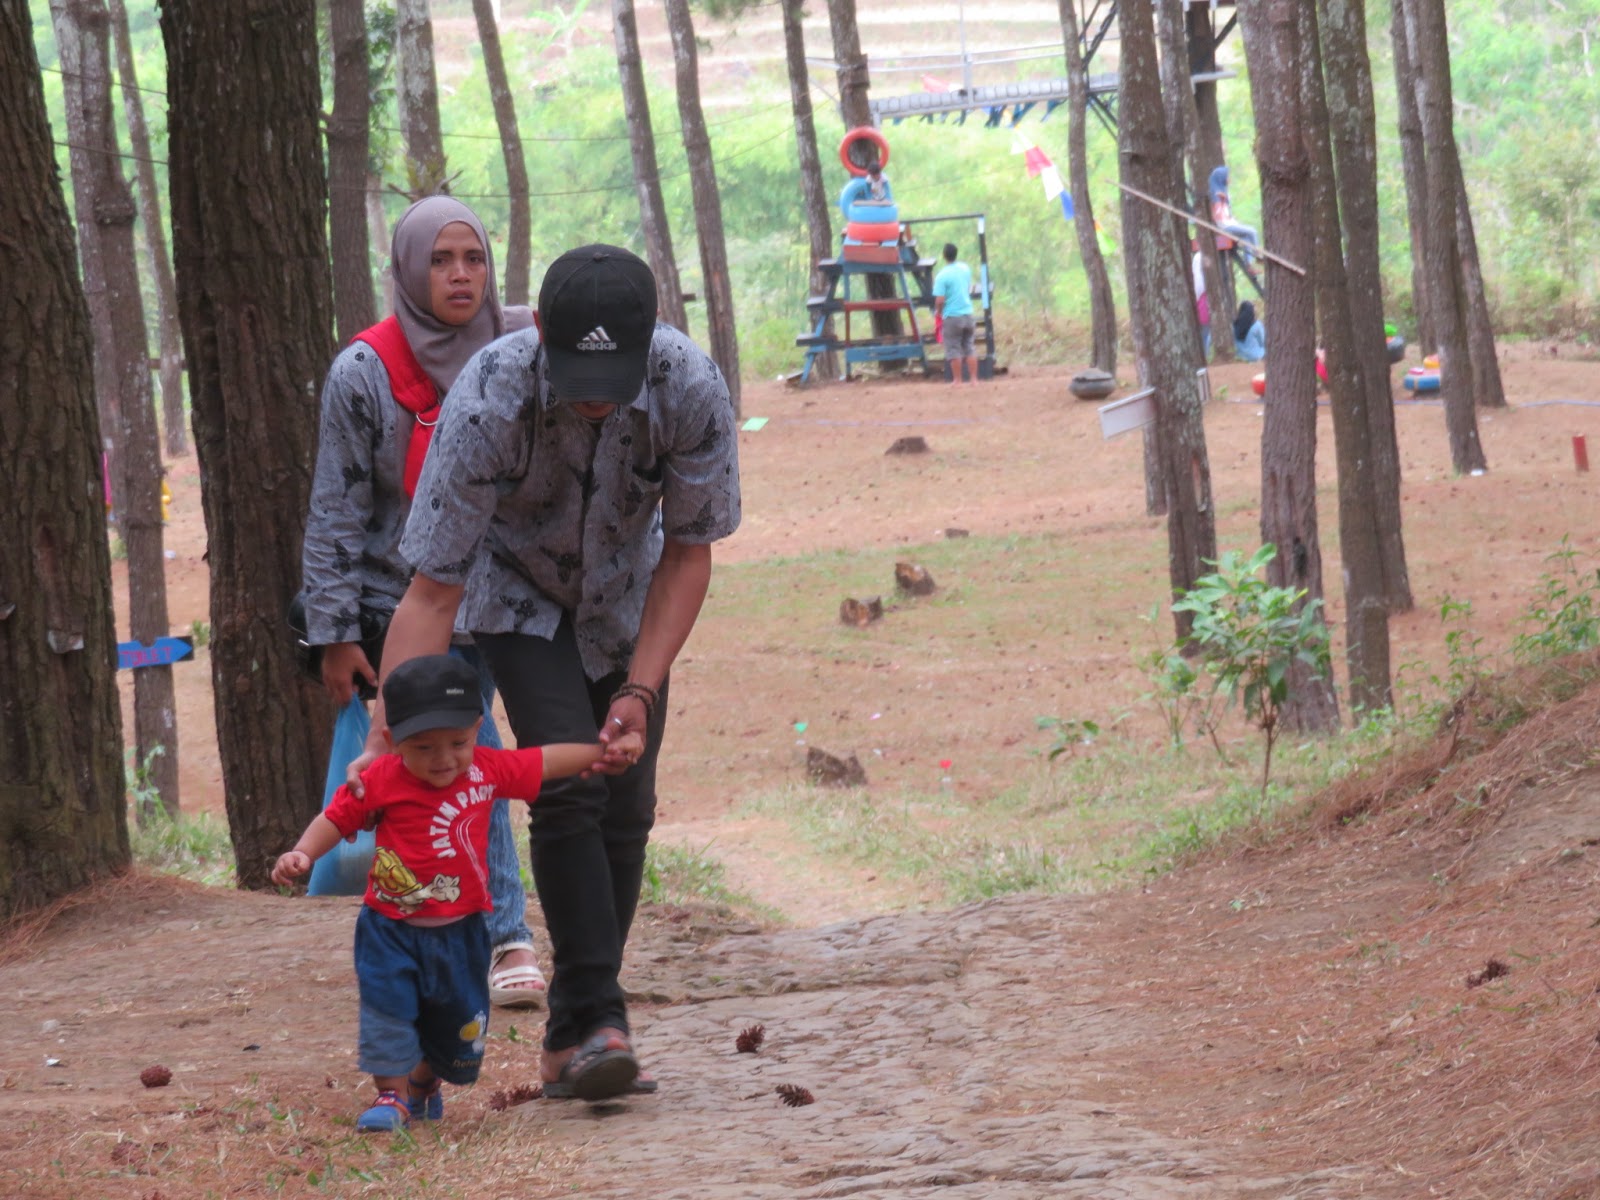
[[1580, 452], [873, 231], [1258, 385], [862, 133]]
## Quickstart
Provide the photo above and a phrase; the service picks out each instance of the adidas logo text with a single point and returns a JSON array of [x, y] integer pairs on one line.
[[597, 339]]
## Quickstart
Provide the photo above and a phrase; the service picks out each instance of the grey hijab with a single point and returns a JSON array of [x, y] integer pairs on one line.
[[441, 349]]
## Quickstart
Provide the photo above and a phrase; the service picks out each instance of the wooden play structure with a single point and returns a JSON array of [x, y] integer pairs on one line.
[[878, 246]]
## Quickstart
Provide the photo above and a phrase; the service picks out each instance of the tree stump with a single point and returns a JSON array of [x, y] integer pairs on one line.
[[860, 613], [1093, 384], [831, 771], [913, 579]]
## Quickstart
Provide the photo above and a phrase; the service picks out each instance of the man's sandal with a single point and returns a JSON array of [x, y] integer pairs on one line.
[[599, 1072], [515, 987]]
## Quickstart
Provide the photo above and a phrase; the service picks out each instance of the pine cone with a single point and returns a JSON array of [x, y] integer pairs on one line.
[[795, 1096], [521, 1094], [153, 1077], [749, 1040]]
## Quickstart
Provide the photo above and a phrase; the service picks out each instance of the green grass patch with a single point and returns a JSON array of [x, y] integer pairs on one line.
[[687, 876], [192, 847], [1103, 818]]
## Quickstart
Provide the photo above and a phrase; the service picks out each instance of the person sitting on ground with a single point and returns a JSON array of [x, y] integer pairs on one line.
[[1249, 334], [1222, 216], [952, 309], [422, 943]]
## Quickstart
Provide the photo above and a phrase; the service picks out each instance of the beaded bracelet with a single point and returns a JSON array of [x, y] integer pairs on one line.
[[643, 693]]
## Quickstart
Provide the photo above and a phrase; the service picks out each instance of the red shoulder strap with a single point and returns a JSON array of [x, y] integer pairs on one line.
[[412, 389]]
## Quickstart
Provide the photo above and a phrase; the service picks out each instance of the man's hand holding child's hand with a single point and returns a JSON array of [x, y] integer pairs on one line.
[[622, 751]]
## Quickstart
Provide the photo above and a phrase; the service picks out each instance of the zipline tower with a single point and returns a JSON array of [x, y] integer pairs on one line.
[[1209, 22]]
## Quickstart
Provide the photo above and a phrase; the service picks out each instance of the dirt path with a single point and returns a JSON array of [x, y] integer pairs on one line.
[[964, 1054], [1121, 1046]]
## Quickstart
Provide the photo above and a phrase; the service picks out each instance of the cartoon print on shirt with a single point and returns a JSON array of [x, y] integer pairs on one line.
[[394, 882]]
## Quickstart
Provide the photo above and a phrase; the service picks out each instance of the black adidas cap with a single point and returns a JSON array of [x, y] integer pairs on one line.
[[597, 313], [436, 691]]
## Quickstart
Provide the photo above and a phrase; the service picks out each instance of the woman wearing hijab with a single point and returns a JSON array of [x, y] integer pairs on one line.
[[379, 406], [1249, 334]]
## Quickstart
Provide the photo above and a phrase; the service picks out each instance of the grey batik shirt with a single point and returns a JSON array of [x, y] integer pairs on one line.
[[539, 512], [358, 501]]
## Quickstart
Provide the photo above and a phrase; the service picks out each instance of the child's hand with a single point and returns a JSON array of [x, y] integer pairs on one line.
[[291, 866], [624, 750]]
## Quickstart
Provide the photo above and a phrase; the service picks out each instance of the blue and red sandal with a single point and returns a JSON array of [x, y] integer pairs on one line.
[[430, 1105], [389, 1114]]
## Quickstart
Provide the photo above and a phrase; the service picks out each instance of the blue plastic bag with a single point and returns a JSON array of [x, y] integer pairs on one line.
[[343, 870]]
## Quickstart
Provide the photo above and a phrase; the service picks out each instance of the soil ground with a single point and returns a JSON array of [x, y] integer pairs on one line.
[[1289, 1017]]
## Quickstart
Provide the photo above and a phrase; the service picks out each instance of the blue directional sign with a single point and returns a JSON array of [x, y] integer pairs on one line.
[[162, 652]]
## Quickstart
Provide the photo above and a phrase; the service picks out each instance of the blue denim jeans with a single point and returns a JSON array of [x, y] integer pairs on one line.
[[508, 922], [424, 995]]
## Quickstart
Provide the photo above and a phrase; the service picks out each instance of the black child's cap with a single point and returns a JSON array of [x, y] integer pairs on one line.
[[436, 691], [597, 314]]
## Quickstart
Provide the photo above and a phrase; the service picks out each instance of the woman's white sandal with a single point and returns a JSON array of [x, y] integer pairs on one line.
[[515, 987]]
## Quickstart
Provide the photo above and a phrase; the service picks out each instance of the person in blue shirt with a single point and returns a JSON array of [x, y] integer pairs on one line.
[[1249, 334], [952, 308]]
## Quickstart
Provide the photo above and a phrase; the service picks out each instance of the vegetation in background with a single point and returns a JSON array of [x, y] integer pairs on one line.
[[1523, 76], [1254, 640]]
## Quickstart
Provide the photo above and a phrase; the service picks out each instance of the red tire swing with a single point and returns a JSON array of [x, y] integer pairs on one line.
[[863, 133], [871, 221]]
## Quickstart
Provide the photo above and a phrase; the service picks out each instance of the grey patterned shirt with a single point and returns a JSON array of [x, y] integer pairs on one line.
[[539, 512], [358, 510]]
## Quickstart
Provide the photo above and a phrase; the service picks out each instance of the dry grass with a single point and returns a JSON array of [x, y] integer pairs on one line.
[[1328, 991]]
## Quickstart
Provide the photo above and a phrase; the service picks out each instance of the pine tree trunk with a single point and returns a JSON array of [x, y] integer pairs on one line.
[[1353, 127], [722, 329], [174, 421], [1102, 302], [91, 267], [518, 236], [1177, 93], [1289, 437], [1447, 292], [1192, 41], [1208, 120], [253, 292], [154, 700], [1414, 168], [1161, 309], [417, 86], [1480, 330], [349, 147], [646, 174], [378, 236], [61, 787], [102, 195], [853, 79], [1360, 543], [853, 87], [818, 221]]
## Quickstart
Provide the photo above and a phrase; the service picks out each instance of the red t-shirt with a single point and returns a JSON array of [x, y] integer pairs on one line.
[[433, 843]]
